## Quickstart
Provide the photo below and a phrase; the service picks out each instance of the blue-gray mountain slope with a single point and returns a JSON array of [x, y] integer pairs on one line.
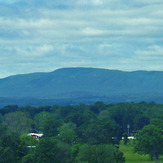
[[83, 84]]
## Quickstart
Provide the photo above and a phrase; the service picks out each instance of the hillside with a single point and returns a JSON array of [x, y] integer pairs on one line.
[[84, 85]]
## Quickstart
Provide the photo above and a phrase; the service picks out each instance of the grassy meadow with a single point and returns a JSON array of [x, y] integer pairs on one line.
[[131, 157]]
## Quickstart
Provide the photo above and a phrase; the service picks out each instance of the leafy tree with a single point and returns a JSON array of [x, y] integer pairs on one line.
[[11, 149], [77, 118], [3, 130], [149, 140], [98, 106], [63, 112], [104, 115], [113, 129], [28, 109], [28, 140], [18, 122], [97, 133], [125, 114], [47, 151], [97, 154], [67, 133], [1, 118], [29, 158], [40, 119], [141, 121], [157, 122], [51, 127], [64, 152], [8, 109]]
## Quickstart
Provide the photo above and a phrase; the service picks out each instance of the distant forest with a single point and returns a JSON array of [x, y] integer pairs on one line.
[[74, 133]]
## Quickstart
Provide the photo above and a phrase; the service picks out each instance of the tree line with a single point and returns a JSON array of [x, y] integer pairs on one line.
[[79, 133]]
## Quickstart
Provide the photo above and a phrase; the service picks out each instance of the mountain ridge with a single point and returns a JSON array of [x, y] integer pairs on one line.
[[91, 83]]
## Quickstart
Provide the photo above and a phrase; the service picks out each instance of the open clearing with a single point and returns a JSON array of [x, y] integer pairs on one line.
[[131, 157]]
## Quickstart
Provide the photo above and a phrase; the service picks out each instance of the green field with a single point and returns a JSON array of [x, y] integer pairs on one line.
[[131, 157]]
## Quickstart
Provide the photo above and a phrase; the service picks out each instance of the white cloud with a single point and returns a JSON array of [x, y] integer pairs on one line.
[[87, 31], [34, 50], [90, 2], [155, 50], [93, 32]]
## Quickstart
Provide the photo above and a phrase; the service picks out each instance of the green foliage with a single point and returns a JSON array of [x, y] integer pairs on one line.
[[97, 154], [1, 118], [67, 133], [29, 158], [157, 122], [132, 157], [125, 114], [11, 149], [40, 119], [47, 151], [50, 150], [18, 122], [104, 115], [141, 121], [96, 127], [51, 127], [28, 140], [77, 118], [3, 130], [100, 132], [64, 154], [97, 107], [8, 109], [149, 140]]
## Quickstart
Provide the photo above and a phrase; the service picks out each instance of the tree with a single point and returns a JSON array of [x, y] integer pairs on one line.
[[18, 122], [149, 140], [40, 119], [46, 151], [28, 140], [11, 149], [3, 130], [8, 109], [76, 118], [51, 127], [157, 122], [1, 118], [29, 158], [96, 133], [98, 106], [97, 154], [141, 121], [67, 133], [100, 132]]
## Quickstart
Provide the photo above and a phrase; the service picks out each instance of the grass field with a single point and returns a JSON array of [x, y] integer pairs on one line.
[[131, 157]]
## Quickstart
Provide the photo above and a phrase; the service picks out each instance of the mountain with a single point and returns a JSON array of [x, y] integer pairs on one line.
[[83, 85]]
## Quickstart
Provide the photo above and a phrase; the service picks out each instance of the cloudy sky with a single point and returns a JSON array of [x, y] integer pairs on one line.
[[41, 36]]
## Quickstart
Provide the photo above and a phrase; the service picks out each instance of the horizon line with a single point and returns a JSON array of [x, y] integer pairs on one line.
[[88, 67]]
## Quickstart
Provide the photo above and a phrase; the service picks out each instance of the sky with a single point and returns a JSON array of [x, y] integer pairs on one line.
[[41, 36]]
